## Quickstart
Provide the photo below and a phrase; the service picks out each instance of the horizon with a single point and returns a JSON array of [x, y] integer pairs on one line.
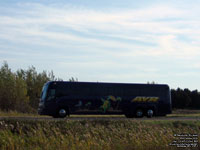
[[104, 41]]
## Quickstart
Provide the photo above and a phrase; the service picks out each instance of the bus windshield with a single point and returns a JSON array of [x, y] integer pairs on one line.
[[44, 92]]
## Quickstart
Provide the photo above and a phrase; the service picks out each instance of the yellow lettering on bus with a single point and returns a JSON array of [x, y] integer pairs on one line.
[[145, 99], [153, 99], [137, 99]]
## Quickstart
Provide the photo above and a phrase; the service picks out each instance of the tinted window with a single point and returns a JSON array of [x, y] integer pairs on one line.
[[44, 92], [51, 94], [63, 90]]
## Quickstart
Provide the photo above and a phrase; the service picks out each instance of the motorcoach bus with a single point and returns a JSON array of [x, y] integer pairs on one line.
[[60, 99]]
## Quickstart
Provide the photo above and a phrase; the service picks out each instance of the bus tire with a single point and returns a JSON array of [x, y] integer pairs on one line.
[[150, 113], [139, 113], [63, 112]]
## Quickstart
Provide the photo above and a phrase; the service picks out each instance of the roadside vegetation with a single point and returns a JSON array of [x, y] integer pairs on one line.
[[89, 135], [20, 90], [12, 113], [185, 113]]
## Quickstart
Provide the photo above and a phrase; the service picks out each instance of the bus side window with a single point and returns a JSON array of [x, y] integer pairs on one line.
[[51, 94], [61, 92]]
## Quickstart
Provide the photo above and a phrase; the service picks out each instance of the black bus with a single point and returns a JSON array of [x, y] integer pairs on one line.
[[59, 99]]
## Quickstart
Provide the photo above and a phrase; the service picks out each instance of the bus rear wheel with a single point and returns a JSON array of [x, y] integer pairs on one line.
[[150, 113]]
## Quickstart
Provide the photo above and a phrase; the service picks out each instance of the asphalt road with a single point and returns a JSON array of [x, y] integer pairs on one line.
[[99, 118]]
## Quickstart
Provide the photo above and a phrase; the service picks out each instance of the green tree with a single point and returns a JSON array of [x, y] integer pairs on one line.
[[181, 98], [20, 91], [195, 96], [72, 79], [13, 93], [35, 82]]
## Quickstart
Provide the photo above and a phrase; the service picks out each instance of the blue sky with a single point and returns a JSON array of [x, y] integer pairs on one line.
[[108, 41]]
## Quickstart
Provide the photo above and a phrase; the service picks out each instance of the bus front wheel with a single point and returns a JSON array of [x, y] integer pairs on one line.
[[63, 112]]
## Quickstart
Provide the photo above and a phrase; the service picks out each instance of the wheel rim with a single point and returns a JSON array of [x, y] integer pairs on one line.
[[62, 112], [150, 113], [139, 113]]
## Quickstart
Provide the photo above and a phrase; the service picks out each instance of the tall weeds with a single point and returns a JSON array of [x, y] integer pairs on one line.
[[92, 135]]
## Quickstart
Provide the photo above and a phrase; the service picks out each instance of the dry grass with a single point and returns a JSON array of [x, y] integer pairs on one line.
[[16, 114], [185, 113], [92, 135]]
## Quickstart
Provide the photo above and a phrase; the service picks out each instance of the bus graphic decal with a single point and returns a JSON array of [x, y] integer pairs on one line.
[[111, 101], [106, 105]]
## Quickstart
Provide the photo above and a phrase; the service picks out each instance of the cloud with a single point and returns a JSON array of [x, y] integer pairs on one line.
[[88, 20], [138, 41], [129, 29]]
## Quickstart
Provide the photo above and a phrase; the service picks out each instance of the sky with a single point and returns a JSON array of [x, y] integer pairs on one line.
[[122, 41]]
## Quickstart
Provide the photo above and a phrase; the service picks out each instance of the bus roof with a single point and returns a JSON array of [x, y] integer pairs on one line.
[[109, 83]]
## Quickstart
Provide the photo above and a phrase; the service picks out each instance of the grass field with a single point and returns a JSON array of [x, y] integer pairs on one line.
[[15, 114], [185, 113], [93, 135]]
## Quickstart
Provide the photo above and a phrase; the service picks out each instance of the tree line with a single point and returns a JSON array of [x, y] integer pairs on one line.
[[184, 98], [20, 90]]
